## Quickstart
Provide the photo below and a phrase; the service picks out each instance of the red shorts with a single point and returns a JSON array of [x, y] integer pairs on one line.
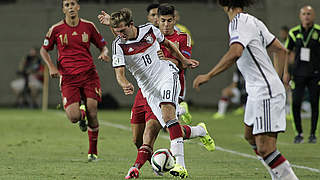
[[141, 111], [80, 86]]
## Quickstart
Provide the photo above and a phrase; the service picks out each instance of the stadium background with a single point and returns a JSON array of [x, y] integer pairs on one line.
[[24, 24]]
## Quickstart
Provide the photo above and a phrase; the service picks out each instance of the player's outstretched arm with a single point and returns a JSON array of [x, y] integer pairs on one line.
[[54, 73], [127, 87], [104, 54], [186, 63], [104, 18], [234, 52]]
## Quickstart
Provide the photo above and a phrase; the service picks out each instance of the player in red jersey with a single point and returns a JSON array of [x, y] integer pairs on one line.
[[79, 79]]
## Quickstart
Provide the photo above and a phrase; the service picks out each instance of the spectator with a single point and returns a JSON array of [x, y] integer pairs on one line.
[[28, 87]]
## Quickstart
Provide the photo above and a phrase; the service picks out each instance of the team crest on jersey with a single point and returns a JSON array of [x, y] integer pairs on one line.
[[149, 39], [85, 37]]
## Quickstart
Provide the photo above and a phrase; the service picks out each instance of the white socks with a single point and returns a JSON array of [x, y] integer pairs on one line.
[[273, 176], [222, 106], [197, 131], [284, 171], [177, 150]]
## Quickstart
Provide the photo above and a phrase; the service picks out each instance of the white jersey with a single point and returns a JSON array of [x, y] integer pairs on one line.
[[262, 80], [157, 79], [140, 57]]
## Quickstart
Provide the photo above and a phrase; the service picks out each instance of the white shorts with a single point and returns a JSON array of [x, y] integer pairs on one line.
[[236, 96], [166, 92], [267, 115]]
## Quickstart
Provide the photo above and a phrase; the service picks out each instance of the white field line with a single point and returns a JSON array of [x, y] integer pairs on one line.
[[119, 126]]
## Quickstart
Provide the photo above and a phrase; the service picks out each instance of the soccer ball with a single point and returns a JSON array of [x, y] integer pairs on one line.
[[162, 160]]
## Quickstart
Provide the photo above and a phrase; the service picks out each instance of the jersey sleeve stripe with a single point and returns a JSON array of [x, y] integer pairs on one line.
[[238, 43], [145, 25], [271, 42], [52, 27], [119, 66], [114, 44]]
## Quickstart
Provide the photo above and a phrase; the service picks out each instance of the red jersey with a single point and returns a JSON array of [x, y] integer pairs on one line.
[[183, 42], [73, 44]]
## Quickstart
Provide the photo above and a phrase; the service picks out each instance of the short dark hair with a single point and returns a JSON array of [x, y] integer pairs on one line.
[[78, 1], [236, 3], [166, 9], [152, 6]]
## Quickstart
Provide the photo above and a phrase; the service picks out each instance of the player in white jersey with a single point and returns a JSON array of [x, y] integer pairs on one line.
[[136, 49], [265, 110]]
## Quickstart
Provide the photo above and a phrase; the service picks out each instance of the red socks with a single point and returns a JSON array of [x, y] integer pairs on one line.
[[175, 130], [187, 131], [144, 154], [93, 140]]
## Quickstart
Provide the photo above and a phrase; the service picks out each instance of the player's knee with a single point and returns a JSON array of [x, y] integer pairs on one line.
[[74, 119], [249, 138]]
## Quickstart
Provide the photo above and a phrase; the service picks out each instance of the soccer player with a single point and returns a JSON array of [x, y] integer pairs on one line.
[[152, 16], [265, 110], [78, 75], [136, 48], [234, 93]]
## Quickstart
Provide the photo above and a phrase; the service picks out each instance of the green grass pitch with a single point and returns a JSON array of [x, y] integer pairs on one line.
[[45, 145]]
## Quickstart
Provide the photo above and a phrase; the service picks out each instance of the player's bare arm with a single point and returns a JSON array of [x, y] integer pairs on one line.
[[104, 54], [234, 52], [104, 18], [54, 73], [186, 63], [281, 56], [127, 87], [162, 57]]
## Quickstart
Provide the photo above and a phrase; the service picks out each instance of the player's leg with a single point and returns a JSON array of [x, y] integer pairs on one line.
[[93, 128], [145, 151], [71, 97], [73, 112], [266, 146], [267, 119], [138, 113], [137, 134], [183, 109], [176, 137], [92, 92], [251, 140], [297, 97], [200, 130], [314, 91], [223, 103], [150, 134]]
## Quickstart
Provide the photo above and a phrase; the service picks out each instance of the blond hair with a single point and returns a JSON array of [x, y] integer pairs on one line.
[[124, 15]]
